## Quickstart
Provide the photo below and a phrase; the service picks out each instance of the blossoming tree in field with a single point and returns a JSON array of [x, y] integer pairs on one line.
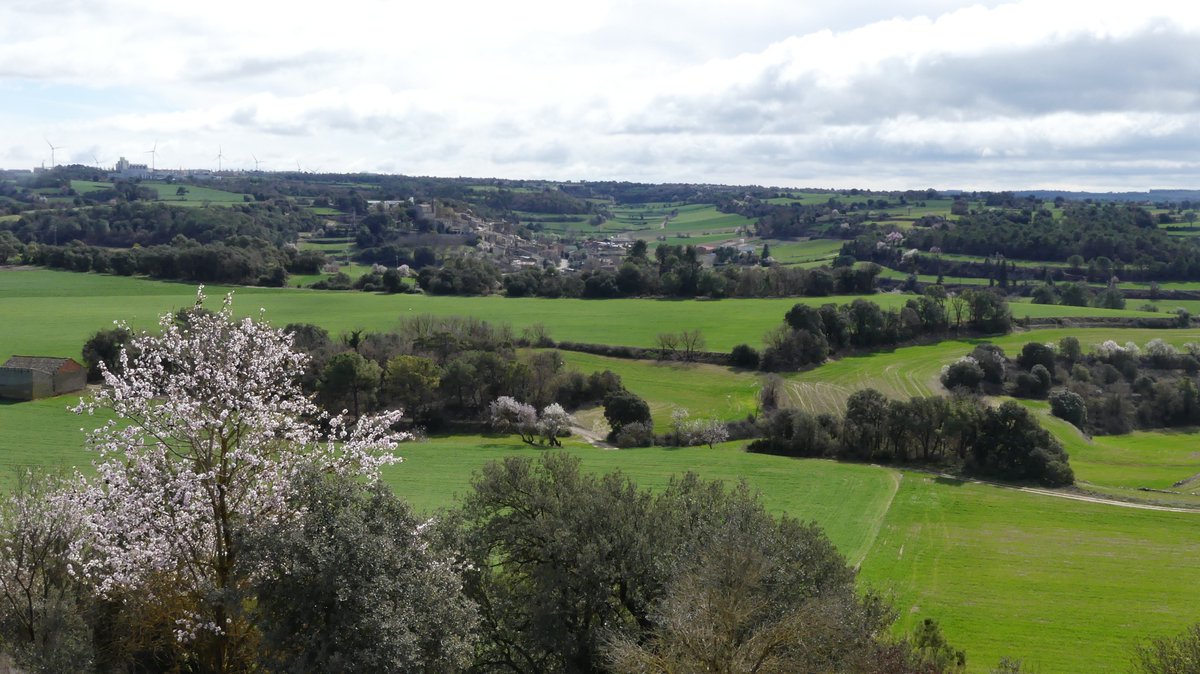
[[509, 414], [211, 429]]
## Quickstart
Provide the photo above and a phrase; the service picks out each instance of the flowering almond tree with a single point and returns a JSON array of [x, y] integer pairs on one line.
[[211, 431]]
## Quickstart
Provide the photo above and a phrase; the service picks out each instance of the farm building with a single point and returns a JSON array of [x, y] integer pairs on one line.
[[30, 377]]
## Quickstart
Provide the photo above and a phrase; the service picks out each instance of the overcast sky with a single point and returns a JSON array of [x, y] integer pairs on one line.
[[856, 93]]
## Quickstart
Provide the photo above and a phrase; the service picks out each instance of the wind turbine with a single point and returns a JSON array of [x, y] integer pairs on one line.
[[219, 157], [256, 162], [153, 152], [95, 160], [53, 147]]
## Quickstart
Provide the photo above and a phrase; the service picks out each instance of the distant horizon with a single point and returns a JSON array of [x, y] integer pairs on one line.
[[985, 94], [940, 190]]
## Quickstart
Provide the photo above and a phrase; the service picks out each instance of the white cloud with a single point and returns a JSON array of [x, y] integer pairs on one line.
[[763, 91]]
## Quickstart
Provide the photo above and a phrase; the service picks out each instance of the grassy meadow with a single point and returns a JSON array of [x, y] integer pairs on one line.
[[1064, 585], [1068, 586], [79, 304]]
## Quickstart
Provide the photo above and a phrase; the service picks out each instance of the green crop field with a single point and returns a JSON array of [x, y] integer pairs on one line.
[[196, 195], [703, 390], [692, 218], [1066, 586], [796, 252], [848, 500], [80, 304]]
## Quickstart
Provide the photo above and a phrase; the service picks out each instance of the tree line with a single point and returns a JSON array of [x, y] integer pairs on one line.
[[122, 225], [439, 370], [961, 434], [809, 334], [1126, 235], [239, 260]]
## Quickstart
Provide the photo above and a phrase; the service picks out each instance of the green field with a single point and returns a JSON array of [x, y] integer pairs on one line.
[[848, 500], [703, 390], [655, 219], [196, 195], [805, 253], [1064, 585], [1004, 571], [80, 304]]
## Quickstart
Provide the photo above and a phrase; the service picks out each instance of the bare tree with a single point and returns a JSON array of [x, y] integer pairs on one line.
[[668, 345], [691, 341]]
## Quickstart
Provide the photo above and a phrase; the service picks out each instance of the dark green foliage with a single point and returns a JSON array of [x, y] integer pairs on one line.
[[1110, 298], [566, 565], [351, 381], [460, 276], [122, 225], [1069, 406], [105, 347], [624, 407], [988, 311], [1036, 353], [794, 432], [931, 647], [958, 432], [353, 584], [1045, 294], [793, 349], [1101, 233], [744, 356], [1075, 294], [864, 425], [239, 260], [1013, 446], [1069, 349], [812, 334], [964, 374]]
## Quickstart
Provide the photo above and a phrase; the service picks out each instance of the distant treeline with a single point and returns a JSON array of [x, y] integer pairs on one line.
[[147, 224], [239, 260], [1126, 236]]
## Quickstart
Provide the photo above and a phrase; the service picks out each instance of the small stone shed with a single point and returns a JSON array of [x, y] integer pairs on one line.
[[31, 377]]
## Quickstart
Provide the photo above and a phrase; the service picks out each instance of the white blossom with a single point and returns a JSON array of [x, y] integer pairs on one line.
[[211, 429]]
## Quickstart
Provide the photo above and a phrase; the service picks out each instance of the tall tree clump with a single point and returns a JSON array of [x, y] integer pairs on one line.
[[211, 430], [581, 573]]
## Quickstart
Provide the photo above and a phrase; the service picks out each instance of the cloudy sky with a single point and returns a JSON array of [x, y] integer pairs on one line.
[[856, 93]]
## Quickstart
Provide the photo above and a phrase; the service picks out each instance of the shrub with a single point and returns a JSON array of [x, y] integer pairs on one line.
[[744, 355], [963, 373], [636, 434], [1069, 406]]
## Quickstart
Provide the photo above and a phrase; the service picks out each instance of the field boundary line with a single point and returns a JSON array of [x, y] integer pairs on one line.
[[877, 525], [1086, 498]]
